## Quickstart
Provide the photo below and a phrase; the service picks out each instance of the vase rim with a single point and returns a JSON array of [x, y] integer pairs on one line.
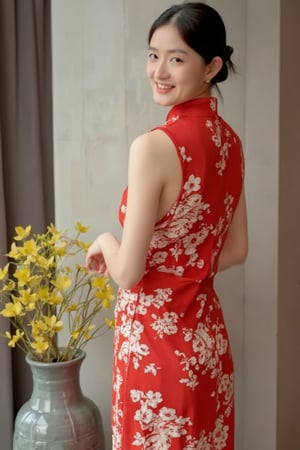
[[79, 356]]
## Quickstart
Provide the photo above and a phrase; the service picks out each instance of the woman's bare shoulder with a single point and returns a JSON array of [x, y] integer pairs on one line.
[[154, 140]]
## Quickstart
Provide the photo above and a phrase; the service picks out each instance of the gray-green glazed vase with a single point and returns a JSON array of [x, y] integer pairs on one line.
[[58, 416]]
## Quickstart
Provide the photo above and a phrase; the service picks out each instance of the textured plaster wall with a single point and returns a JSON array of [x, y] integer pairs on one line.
[[90, 138], [261, 284]]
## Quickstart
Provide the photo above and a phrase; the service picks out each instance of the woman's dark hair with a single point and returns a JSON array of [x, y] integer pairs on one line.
[[202, 28]]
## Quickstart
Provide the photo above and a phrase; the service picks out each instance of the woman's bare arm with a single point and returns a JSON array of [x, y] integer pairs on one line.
[[235, 247], [125, 260]]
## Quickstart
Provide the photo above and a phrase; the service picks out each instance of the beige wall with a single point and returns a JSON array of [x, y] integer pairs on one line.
[[261, 286], [102, 101]]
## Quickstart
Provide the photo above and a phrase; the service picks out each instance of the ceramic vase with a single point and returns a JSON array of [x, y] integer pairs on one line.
[[58, 416]]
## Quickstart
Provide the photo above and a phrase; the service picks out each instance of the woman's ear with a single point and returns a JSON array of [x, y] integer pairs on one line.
[[214, 67]]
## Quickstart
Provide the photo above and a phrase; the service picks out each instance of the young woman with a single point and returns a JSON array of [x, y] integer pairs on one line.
[[184, 219]]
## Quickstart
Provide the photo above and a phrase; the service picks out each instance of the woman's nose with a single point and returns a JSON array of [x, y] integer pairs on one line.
[[161, 71]]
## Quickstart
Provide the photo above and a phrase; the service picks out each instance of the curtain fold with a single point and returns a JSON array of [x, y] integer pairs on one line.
[[26, 179], [6, 392]]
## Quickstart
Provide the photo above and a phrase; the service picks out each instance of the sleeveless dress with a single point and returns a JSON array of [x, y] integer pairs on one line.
[[173, 370]]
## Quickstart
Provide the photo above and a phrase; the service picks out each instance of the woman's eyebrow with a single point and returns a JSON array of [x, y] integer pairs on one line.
[[174, 50]]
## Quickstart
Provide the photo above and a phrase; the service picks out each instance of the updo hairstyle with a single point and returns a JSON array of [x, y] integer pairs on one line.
[[202, 28]]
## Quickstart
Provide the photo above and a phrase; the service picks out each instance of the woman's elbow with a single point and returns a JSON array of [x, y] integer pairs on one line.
[[233, 256], [239, 253], [242, 253], [128, 278], [241, 256]]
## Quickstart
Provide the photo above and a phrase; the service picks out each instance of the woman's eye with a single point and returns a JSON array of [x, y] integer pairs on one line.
[[176, 60], [152, 56]]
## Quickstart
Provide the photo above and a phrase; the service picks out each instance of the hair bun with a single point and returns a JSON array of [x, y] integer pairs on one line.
[[227, 53], [227, 66]]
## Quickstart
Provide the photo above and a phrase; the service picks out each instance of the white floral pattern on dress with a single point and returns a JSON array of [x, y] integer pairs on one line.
[[173, 372], [224, 145], [162, 424]]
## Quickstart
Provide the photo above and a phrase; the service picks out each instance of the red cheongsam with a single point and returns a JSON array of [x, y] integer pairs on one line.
[[173, 370]]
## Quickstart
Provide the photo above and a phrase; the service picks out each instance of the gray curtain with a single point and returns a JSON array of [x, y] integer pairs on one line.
[[26, 165]]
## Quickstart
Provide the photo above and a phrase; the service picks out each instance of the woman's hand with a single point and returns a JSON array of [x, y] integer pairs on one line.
[[94, 259]]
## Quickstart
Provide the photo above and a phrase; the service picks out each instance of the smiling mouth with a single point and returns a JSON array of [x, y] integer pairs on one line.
[[163, 87]]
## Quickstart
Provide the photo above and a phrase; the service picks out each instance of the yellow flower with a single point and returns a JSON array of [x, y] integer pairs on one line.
[[105, 294], [72, 307], [75, 333], [82, 269], [61, 250], [106, 303], [62, 282], [53, 231], [14, 252], [40, 345], [53, 299], [83, 245], [22, 233], [38, 327], [27, 299], [43, 293], [15, 338], [67, 269], [12, 310], [109, 322], [43, 262], [81, 228], [29, 248], [10, 286], [4, 272], [86, 332], [22, 275], [53, 324], [99, 282]]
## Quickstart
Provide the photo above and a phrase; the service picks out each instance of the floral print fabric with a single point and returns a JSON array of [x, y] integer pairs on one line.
[[173, 370]]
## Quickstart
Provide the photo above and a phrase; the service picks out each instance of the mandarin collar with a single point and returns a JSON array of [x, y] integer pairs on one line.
[[194, 107]]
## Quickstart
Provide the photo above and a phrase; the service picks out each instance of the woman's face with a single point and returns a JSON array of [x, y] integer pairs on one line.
[[176, 72]]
